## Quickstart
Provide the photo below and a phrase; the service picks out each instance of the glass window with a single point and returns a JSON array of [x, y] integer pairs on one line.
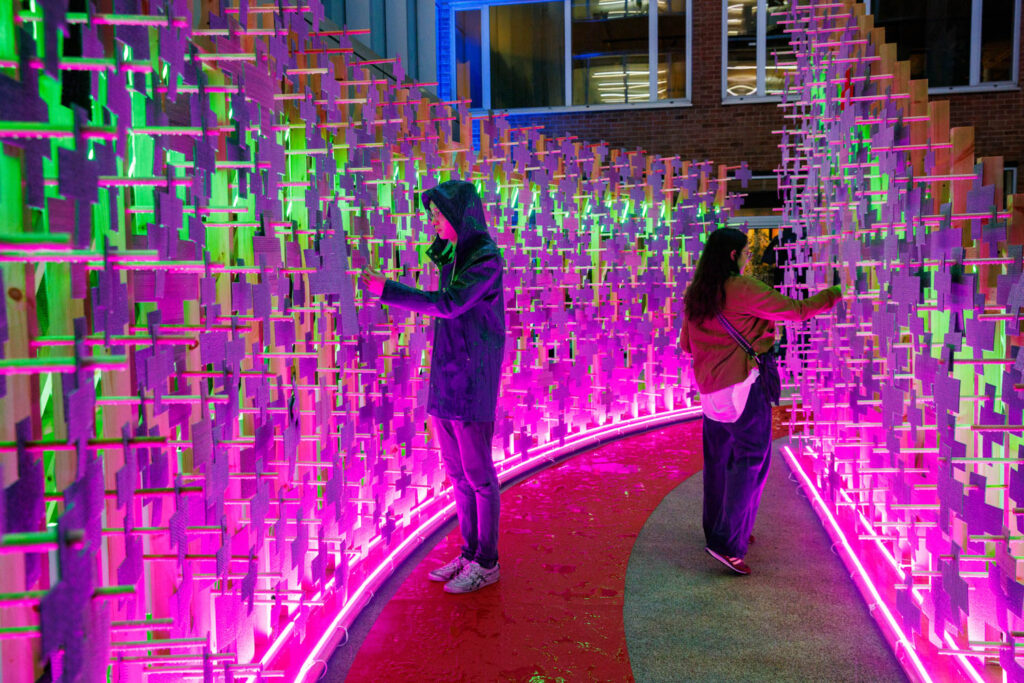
[[935, 37], [379, 26], [528, 55], [412, 32], [610, 43], [741, 31], [997, 20], [610, 79], [468, 82], [571, 52], [944, 43], [756, 47], [671, 49], [778, 51]]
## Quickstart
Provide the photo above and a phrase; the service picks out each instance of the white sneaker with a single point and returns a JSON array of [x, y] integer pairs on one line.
[[447, 572], [473, 577]]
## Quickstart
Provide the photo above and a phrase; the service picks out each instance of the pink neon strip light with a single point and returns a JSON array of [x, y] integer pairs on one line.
[[964, 663], [538, 454], [837, 532]]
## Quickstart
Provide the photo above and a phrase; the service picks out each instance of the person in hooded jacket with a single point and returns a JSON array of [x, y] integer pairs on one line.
[[465, 367]]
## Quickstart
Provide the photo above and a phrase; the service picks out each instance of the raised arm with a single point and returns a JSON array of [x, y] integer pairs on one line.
[[756, 298], [466, 291]]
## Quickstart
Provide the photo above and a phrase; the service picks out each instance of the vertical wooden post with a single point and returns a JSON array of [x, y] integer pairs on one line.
[[962, 163]]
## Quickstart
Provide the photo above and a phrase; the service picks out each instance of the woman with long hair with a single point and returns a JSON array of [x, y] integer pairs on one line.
[[734, 394]]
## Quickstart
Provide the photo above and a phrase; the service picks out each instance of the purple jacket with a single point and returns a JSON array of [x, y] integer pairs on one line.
[[469, 309]]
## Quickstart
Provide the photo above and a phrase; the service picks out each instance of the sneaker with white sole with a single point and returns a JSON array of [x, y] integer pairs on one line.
[[473, 577], [734, 563], [447, 572]]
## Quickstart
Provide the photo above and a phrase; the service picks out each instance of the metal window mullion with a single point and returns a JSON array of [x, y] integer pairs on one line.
[[453, 54], [1016, 42], [689, 48], [412, 43], [567, 14], [485, 57], [975, 73], [652, 50], [762, 41]]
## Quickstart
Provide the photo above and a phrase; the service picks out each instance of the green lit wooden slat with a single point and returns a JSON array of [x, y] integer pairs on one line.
[[110, 19], [35, 238], [27, 366], [9, 631], [36, 541], [225, 57], [32, 596], [30, 128]]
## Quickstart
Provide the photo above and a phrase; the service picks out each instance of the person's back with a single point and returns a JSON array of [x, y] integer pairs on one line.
[[753, 308], [728, 327]]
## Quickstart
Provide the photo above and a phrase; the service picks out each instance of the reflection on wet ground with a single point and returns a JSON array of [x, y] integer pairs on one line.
[[556, 614]]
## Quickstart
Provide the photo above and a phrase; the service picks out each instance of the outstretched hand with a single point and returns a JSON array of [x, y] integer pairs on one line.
[[373, 281]]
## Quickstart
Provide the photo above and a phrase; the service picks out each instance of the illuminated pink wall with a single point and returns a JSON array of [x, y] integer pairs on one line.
[[911, 421], [212, 447]]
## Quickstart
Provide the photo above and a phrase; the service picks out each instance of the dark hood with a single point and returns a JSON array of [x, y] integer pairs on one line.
[[461, 205]]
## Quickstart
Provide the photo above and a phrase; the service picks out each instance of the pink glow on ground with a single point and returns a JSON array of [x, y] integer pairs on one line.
[[566, 537], [549, 452], [889, 624]]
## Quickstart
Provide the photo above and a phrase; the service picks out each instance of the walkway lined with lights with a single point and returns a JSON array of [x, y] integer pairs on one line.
[[567, 536], [798, 617]]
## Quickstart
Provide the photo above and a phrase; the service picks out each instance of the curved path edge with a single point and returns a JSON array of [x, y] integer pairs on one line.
[[798, 616], [338, 649]]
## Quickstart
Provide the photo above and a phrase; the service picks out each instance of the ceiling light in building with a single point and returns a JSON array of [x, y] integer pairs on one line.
[[741, 90], [594, 73]]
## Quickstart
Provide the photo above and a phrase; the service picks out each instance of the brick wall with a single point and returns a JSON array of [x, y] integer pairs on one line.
[[743, 132], [998, 120]]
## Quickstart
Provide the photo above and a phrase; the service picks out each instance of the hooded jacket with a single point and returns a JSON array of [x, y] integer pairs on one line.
[[469, 309]]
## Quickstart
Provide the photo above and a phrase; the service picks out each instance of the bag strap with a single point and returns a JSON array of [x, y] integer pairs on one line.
[[737, 337]]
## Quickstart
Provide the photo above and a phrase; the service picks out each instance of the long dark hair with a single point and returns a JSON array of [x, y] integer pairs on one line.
[[705, 296]]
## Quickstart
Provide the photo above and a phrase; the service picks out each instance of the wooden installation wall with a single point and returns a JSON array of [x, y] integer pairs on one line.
[[911, 422], [212, 446]]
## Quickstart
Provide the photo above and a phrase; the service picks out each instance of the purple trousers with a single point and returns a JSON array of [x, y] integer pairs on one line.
[[736, 459], [466, 452]]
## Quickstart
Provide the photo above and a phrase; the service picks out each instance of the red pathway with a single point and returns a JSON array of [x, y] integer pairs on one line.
[[556, 614]]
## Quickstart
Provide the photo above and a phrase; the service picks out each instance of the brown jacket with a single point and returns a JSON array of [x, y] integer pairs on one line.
[[752, 307]]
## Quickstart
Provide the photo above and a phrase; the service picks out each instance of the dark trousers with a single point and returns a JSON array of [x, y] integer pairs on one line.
[[466, 451], [736, 458]]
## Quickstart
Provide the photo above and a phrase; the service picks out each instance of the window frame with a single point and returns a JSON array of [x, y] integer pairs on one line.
[[762, 58], [485, 59], [977, 85]]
